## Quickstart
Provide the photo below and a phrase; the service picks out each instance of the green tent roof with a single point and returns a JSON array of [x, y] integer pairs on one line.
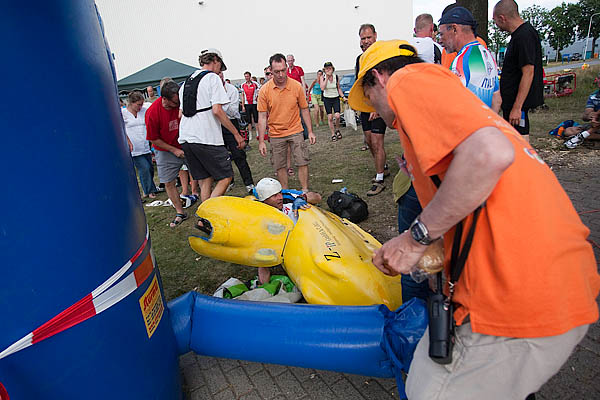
[[151, 76]]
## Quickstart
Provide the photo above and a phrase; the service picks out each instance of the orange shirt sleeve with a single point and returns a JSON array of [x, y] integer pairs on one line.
[[416, 90]]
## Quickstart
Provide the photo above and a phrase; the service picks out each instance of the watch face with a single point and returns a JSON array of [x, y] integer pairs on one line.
[[416, 232]]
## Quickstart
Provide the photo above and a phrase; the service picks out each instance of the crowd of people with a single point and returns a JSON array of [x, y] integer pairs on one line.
[[521, 303]]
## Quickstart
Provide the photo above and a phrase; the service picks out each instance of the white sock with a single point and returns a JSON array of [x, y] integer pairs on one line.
[[379, 177]]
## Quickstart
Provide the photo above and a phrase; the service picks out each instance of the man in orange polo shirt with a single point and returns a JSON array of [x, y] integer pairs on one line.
[[522, 302], [278, 103]]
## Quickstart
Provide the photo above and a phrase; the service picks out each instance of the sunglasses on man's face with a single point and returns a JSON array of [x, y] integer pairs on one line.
[[268, 73]]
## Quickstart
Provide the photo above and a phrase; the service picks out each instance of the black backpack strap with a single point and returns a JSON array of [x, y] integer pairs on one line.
[[437, 55], [458, 256], [197, 79]]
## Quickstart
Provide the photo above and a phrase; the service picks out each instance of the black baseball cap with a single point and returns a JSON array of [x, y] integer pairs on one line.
[[327, 64], [459, 16]]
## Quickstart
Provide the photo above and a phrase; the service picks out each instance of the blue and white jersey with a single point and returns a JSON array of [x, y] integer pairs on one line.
[[594, 101], [476, 68]]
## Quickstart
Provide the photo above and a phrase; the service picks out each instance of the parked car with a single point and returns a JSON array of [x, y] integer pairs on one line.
[[346, 82], [576, 57]]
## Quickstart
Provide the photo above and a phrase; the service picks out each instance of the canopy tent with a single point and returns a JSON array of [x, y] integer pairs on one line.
[[151, 75]]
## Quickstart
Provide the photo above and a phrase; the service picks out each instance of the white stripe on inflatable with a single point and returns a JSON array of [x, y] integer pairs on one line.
[[19, 345], [115, 294]]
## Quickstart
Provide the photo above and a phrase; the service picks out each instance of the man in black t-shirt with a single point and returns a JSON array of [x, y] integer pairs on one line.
[[521, 82], [373, 126]]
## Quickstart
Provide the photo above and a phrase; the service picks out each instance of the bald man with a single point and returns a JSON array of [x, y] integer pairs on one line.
[[521, 86]]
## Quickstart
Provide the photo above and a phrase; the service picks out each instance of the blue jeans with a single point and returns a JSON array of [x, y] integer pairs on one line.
[[145, 170], [408, 209]]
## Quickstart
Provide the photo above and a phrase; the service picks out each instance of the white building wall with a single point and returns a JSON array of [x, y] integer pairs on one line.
[[141, 32]]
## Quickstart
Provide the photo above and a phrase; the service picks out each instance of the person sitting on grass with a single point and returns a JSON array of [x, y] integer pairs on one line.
[[591, 115]]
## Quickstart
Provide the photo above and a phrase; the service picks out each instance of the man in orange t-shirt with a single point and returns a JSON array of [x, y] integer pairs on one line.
[[278, 102], [522, 302]]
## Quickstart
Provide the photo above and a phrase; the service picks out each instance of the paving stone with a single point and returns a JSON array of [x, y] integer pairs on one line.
[[590, 345], [389, 384], [226, 394], [251, 368], [193, 377], [187, 359], [251, 396], [344, 389], [318, 389], [206, 362], [227, 364], [302, 374], [215, 380], [239, 381], [290, 386], [201, 393], [275, 369], [265, 384], [330, 377], [369, 388]]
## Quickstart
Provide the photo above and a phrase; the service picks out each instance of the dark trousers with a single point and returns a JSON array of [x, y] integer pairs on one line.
[[408, 209], [238, 156]]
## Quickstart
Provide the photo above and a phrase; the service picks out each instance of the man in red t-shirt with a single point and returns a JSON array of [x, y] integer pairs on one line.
[[295, 72], [250, 99], [162, 129]]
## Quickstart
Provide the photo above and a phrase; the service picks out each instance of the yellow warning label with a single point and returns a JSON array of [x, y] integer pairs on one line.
[[152, 307]]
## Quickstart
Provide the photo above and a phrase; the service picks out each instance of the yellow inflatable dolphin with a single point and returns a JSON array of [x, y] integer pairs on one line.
[[328, 257]]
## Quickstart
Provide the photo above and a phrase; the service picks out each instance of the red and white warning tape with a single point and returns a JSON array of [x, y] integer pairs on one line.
[[100, 299]]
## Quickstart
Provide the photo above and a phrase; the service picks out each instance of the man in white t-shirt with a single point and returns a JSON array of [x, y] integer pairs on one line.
[[428, 50], [200, 131]]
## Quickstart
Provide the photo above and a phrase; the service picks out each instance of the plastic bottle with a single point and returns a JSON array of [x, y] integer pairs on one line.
[[576, 140]]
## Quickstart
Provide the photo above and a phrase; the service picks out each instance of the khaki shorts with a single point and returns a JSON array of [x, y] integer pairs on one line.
[[489, 367], [316, 99], [279, 148]]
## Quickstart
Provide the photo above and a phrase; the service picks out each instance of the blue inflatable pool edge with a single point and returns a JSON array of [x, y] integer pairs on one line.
[[363, 340]]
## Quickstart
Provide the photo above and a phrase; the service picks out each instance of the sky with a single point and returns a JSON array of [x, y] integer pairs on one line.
[[247, 32], [435, 7]]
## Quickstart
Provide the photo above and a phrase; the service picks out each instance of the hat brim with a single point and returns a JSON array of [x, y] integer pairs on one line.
[[357, 99]]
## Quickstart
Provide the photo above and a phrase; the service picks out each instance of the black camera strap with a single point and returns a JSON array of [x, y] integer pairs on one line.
[[458, 256]]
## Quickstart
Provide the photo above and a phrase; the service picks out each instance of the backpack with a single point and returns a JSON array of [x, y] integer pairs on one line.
[[348, 205], [190, 91]]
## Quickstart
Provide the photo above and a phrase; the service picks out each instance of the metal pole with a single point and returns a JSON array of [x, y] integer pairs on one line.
[[587, 38]]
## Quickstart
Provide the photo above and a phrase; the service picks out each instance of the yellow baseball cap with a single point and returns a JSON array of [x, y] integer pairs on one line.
[[376, 53]]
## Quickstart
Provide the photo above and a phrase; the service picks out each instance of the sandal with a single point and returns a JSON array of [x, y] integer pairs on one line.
[[204, 226], [291, 172], [333, 138], [338, 134], [176, 221]]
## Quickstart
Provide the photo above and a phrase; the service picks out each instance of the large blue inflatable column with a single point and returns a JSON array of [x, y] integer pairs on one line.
[[72, 219]]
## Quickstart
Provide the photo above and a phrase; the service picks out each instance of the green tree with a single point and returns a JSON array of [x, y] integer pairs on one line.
[[497, 38], [537, 17], [479, 9], [585, 9], [561, 25]]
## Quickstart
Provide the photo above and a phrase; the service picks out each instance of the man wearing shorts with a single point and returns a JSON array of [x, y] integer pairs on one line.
[[521, 303], [201, 136], [521, 86], [250, 97], [373, 126], [162, 129], [280, 98]]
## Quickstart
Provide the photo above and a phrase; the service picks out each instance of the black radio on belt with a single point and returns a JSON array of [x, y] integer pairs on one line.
[[441, 328]]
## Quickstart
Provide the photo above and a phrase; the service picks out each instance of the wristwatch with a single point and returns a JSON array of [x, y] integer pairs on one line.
[[420, 233]]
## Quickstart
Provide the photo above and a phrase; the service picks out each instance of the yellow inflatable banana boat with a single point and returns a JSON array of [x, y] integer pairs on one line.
[[328, 257]]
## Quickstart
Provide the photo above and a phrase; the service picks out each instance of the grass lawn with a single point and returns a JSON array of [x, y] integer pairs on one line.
[[183, 270]]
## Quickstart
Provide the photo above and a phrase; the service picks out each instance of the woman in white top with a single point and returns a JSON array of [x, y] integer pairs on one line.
[[134, 116], [330, 86]]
